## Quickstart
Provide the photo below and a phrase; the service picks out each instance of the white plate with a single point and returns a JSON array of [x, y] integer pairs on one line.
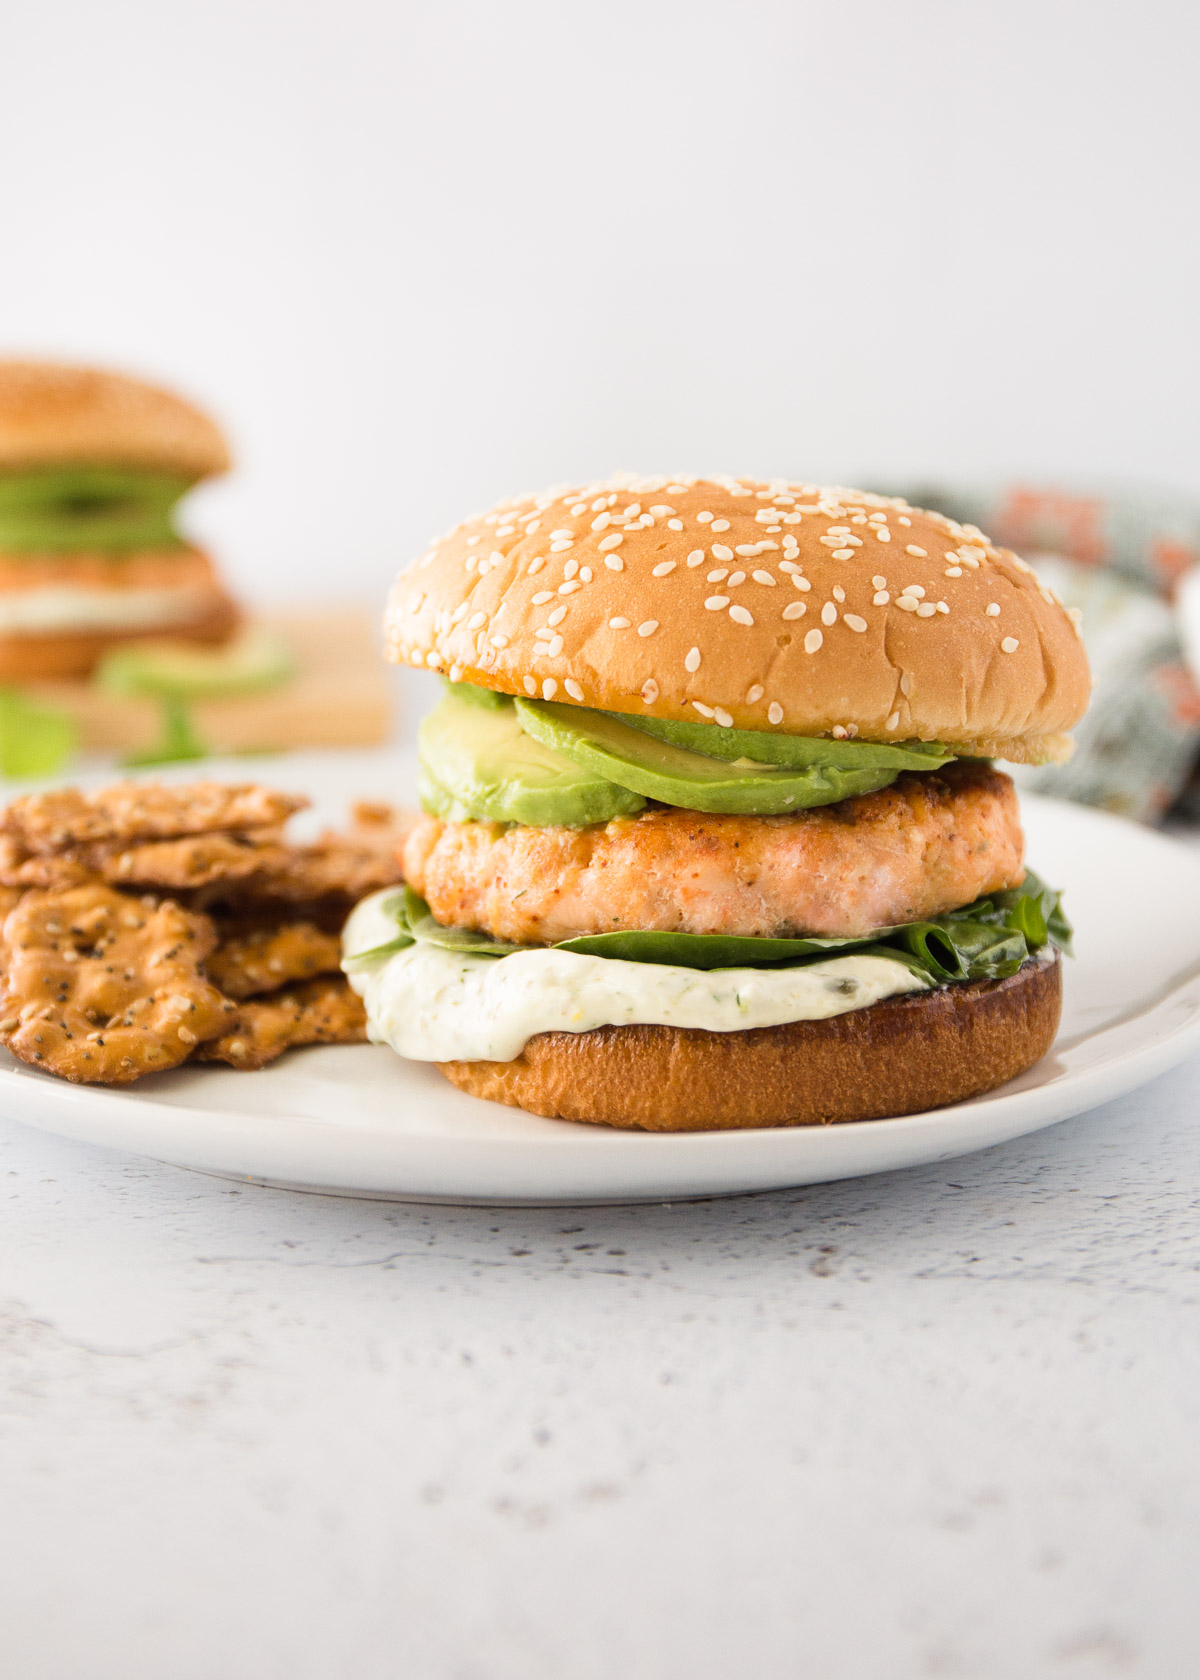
[[356, 1120]]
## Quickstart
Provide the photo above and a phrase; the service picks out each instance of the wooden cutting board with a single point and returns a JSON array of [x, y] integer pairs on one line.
[[339, 697]]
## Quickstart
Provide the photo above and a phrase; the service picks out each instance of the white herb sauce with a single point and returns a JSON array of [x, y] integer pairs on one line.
[[433, 1005]]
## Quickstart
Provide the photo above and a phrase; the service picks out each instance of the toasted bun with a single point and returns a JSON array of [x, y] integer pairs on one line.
[[205, 612], [51, 415], [902, 1056], [758, 605]]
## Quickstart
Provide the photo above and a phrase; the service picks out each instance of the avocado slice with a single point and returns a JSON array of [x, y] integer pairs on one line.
[[61, 510], [799, 752], [255, 660], [474, 696], [479, 765], [176, 674], [606, 745]]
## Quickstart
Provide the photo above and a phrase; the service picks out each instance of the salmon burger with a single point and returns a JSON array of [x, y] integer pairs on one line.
[[92, 465], [712, 832]]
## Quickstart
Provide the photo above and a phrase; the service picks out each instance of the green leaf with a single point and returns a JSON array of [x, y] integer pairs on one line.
[[987, 940], [35, 740]]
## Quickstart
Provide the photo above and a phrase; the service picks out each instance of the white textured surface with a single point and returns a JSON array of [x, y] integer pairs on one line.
[[939, 1423]]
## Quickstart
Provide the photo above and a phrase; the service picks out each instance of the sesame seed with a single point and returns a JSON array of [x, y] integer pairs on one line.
[[788, 566], [558, 547], [618, 623], [718, 576], [905, 683], [696, 557], [880, 598], [914, 589], [475, 620], [801, 583], [530, 686], [828, 613], [746, 549], [542, 596], [992, 609], [911, 548], [602, 522], [908, 603], [843, 554], [715, 603], [611, 541], [557, 616], [943, 607], [704, 518], [535, 565], [754, 694], [736, 578], [953, 571], [569, 587], [705, 711], [739, 615], [649, 691], [554, 646], [573, 689], [720, 524], [565, 535], [499, 641], [839, 594], [614, 562], [456, 673], [585, 574], [1010, 644], [675, 524], [926, 609], [663, 567], [691, 660], [720, 552], [813, 641], [775, 712], [549, 689], [904, 520], [893, 722], [648, 628], [495, 558], [723, 718], [839, 732], [795, 609], [853, 622], [879, 582], [882, 534]]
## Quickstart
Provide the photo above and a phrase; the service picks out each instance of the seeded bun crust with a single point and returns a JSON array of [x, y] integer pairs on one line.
[[902, 1056], [53, 415], [206, 613], [752, 604]]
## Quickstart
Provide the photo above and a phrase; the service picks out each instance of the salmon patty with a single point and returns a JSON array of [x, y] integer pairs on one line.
[[927, 844]]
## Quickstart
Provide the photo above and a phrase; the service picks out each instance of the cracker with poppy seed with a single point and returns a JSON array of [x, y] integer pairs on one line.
[[251, 960], [323, 1011], [101, 988]]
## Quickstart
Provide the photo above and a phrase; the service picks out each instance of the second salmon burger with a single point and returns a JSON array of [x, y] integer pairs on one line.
[[712, 832]]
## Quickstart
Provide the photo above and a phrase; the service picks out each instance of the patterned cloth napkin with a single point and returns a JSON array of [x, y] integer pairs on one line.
[[1120, 557]]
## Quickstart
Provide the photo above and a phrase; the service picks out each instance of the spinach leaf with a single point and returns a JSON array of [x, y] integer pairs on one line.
[[986, 940]]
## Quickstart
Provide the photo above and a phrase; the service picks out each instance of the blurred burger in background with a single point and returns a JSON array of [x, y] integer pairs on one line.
[[93, 466]]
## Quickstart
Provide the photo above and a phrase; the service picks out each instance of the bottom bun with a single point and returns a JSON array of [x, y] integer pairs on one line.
[[907, 1054]]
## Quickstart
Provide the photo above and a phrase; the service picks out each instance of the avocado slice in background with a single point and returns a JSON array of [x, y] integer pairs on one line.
[[604, 744], [799, 752], [479, 765], [61, 510]]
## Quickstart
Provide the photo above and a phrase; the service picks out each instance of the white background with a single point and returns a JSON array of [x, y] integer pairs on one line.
[[419, 256]]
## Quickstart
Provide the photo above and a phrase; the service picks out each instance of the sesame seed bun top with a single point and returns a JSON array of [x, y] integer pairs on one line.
[[54, 415], [756, 604]]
